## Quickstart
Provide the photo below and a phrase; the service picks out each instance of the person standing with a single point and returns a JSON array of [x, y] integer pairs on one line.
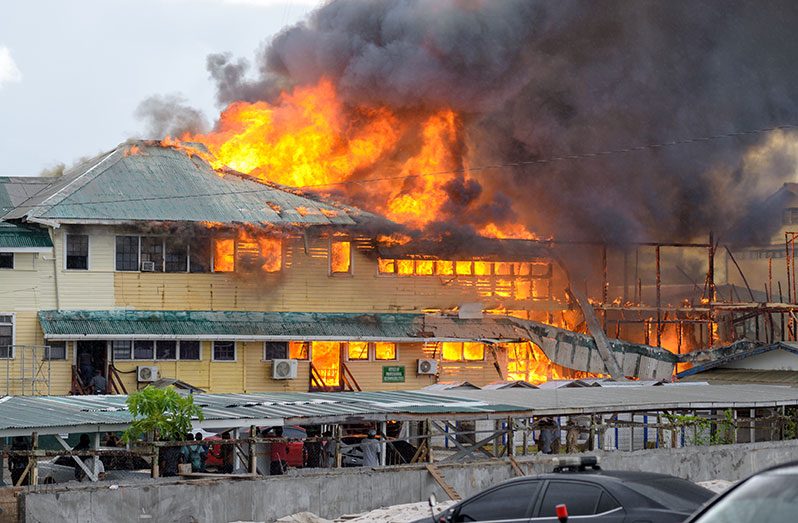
[[330, 450], [370, 448], [99, 385], [18, 464]]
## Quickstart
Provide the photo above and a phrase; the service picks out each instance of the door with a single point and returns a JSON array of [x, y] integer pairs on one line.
[[91, 356], [510, 503], [326, 359], [581, 499]]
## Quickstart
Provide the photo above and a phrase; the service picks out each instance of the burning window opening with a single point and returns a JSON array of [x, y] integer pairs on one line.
[[340, 257], [384, 350], [462, 351], [247, 252], [357, 351], [224, 250], [299, 350], [326, 358]]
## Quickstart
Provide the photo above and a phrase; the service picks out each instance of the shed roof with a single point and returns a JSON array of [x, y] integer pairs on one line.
[[20, 238], [143, 181], [16, 189]]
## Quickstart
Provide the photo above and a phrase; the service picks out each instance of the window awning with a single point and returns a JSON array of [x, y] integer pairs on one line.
[[18, 238]]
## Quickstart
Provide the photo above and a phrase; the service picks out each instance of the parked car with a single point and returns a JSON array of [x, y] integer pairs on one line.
[[589, 494], [770, 496]]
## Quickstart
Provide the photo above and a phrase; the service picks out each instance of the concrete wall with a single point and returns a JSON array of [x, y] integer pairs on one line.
[[347, 491]]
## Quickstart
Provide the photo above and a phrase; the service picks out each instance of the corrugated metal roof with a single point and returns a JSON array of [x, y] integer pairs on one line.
[[743, 376], [21, 415], [143, 181], [16, 189], [13, 236], [54, 414]]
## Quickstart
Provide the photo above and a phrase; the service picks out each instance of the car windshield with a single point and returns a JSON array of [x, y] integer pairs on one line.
[[768, 498], [673, 493]]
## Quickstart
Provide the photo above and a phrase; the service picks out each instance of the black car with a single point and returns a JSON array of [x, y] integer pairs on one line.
[[770, 496], [590, 495]]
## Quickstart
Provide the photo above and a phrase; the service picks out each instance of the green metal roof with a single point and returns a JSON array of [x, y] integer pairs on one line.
[[15, 237], [16, 189], [143, 181]]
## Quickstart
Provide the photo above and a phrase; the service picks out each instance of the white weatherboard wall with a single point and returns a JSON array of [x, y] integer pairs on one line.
[[347, 491]]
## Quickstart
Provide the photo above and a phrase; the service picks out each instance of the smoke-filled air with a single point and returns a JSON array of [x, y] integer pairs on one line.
[[611, 120]]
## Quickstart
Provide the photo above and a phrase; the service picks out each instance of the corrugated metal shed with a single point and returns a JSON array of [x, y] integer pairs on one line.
[[55, 414], [15, 238], [143, 181]]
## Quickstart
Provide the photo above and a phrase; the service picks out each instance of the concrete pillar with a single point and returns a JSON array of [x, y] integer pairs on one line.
[[383, 445]]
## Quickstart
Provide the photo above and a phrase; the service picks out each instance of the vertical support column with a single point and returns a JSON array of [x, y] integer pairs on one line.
[[383, 445], [236, 459], [96, 458], [711, 283], [604, 285], [428, 432], [787, 261], [337, 436], [253, 454], [659, 298], [34, 469], [752, 427], [525, 437], [510, 437]]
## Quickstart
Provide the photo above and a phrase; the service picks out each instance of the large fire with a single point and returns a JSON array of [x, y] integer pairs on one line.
[[398, 165]]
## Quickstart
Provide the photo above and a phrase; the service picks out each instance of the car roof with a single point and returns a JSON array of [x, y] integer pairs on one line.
[[789, 468], [600, 475]]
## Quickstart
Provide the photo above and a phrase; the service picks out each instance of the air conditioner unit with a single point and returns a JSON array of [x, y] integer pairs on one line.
[[284, 369], [145, 374], [427, 366], [148, 266]]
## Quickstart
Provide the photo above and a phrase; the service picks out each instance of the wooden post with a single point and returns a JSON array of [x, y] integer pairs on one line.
[[253, 456], [337, 435], [428, 431], [510, 438], [96, 458], [383, 444], [34, 470], [659, 298]]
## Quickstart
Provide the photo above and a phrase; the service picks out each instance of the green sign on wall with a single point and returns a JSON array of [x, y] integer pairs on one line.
[[393, 373]]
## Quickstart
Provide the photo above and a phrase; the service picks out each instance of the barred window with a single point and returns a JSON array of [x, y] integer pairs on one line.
[[77, 251], [224, 351], [176, 256], [152, 251], [122, 349], [127, 253], [275, 350]]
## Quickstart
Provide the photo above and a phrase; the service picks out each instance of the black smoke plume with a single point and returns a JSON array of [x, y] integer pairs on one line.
[[605, 85]]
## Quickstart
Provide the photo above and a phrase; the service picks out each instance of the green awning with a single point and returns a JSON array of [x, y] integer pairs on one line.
[[19, 238]]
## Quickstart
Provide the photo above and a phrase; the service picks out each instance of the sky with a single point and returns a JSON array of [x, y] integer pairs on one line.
[[73, 73]]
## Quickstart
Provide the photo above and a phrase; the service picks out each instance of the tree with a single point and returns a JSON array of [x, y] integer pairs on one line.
[[163, 414]]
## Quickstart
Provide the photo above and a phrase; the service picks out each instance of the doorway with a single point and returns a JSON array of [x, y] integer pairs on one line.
[[326, 359], [90, 356]]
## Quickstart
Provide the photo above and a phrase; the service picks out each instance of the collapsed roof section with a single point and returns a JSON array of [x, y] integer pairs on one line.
[[144, 181]]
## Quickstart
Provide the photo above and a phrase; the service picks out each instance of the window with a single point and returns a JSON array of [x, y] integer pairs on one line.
[[199, 255], [275, 350], [224, 351], [459, 351], [6, 336], [582, 499], [143, 350], [77, 252], [189, 350], [152, 251], [166, 350], [357, 350], [790, 216], [127, 253], [340, 257], [510, 502], [6, 260], [224, 259], [298, 350], [122, 349], [176, 256], [384, 351], [55, 350]]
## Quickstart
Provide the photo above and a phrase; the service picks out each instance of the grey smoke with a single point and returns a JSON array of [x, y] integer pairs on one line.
[[542, 79], [170, 115]]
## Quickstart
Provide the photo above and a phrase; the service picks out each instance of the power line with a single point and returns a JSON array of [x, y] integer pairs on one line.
[[463, 170]]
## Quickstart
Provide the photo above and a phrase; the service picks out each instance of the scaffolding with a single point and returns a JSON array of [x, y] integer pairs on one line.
[[27, 370]]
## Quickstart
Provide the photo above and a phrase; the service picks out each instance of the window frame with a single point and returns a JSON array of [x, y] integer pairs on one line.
[[287, 349], [214, 239], [48, 354], [537, 513], [532, 504], [373, 347], [138, 252], [88, 251], [13, 261], [371, 351], [11, 352], [213, 351], [309, 348], [180, 350], [330, 271], [462, 352], [177, 350]]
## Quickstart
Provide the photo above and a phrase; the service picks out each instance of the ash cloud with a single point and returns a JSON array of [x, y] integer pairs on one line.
[[170, 115], [540, 79]]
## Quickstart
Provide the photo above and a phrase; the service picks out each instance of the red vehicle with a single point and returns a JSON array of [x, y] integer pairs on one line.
[[292, 451]]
